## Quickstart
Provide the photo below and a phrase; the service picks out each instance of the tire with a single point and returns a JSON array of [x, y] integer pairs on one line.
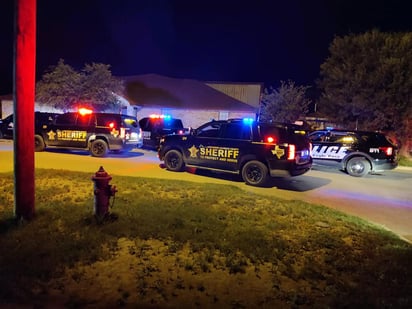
[[39, 144], [358, 167], [98, 148], [255, 173], [174, 161]]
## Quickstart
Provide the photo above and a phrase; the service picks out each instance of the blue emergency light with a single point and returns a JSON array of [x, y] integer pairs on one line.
[[248, 120]]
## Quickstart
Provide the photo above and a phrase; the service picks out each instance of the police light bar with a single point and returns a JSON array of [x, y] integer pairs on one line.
[[85, 111], [160, 116], [248, 120]]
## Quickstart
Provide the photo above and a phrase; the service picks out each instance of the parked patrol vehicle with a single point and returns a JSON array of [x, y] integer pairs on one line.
[[98, 133], [7, 124], [156, 126], [356, 152], [254, 150]]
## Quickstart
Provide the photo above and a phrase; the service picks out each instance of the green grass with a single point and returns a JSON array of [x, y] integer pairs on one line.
[[405, 161], [358, 263]]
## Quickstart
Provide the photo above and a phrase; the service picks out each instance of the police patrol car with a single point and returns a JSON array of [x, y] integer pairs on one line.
[[254, 150], [96, 132], [156, 126], [356, 152]]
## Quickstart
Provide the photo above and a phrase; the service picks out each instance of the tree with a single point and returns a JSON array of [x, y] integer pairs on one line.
[[284, 104], [366, 83], [65, 88]]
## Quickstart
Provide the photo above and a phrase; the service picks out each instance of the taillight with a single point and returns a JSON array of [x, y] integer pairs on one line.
[[291, 152], [270, 140], [387, 150], [111, 125]]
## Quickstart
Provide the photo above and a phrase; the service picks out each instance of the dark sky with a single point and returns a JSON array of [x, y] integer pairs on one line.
[[226, 40]]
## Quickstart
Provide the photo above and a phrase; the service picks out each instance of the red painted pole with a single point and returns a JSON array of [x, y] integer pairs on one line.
[[24, 96]]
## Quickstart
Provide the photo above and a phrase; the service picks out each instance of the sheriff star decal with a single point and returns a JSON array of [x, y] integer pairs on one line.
[[193, 151], [279, 152], [51, 135]]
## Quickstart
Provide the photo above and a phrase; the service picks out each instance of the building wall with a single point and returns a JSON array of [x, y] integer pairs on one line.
[[6, 108], [194, 118], [246, 93]]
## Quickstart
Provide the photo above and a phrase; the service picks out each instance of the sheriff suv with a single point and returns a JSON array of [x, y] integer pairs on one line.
[[7, 124], [156, 126], [254, 150], [356, 152], [98, 133]]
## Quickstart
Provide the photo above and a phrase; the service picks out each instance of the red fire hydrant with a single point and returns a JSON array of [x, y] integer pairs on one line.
[[102, 193]]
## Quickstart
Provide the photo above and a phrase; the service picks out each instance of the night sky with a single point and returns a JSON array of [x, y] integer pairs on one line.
[[226, 40]]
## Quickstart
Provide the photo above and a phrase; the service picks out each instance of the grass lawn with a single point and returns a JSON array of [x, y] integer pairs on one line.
[[180, 244]]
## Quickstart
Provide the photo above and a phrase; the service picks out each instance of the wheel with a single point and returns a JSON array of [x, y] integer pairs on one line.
[[98, 148], [255, 173], [174, 161], [358, 167], [39, 144]]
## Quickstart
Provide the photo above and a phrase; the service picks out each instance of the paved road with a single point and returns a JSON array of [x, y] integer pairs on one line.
[[385, 200]]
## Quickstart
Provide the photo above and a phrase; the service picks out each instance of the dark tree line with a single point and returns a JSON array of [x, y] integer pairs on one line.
[[64, 88], [365, 84]]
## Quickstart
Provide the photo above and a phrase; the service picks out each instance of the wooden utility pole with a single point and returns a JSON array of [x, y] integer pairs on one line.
[[24, 96]]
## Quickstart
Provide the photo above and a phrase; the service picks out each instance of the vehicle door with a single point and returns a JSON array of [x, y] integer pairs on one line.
[[331, 145], [69, 130], [218, 145], [7, 126]]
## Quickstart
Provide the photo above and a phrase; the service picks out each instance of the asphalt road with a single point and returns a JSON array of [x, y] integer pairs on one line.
[[385, 199]]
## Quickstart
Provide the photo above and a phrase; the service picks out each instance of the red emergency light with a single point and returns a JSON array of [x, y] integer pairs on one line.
[[85, 111]]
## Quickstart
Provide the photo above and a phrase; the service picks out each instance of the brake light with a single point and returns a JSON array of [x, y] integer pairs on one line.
[[291, 152], [270, 140], [85, 111], [111, 125], [122, 132], [387, 150]]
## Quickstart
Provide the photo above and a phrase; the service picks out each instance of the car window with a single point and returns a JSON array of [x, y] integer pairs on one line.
[[211, 130], [317, 136], [108, 120], [340, 137], [66, 119], [374, 138], [272, 134], [84, 120], [129, 122], [173, 124], [237, 131]]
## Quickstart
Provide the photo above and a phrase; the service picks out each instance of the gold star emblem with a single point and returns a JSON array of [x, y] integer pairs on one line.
[[193, 151], [51, 135], [279, 152]]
